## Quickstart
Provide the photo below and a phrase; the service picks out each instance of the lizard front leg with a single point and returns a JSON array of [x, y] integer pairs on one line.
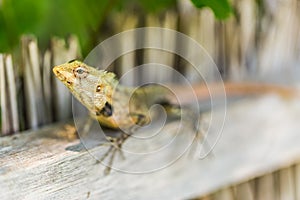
[[115, 143]]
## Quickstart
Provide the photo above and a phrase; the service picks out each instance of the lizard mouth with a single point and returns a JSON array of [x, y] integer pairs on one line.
[[56, 70], [57, 73], [62, 75]]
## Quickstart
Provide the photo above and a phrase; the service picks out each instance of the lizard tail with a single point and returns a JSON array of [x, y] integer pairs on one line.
[[235, 89]]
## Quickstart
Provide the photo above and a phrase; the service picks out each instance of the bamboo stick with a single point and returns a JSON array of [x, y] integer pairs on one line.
[[5, 127], [12, 94], [32, 82], [224, 194], [47, 86], [127, 62], [244, 191], [286, 177], [61, 54], [265, 187], [297, 181]]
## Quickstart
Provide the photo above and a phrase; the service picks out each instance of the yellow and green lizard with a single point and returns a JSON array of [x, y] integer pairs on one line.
[[116, 106]]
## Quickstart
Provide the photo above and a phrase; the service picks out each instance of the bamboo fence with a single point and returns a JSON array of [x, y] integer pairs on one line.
[[261, 43]]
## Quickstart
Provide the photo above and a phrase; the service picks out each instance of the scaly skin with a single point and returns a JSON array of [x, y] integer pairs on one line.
[[108, 102]]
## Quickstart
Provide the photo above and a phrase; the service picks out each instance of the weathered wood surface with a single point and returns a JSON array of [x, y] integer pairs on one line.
[[260, 136]]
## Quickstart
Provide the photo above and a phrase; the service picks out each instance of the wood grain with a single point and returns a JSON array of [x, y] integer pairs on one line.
[[256, 139]]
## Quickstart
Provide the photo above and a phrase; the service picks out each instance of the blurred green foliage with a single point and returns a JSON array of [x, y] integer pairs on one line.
[[221, 8], [88, 19], [47, 18], [18, 17]]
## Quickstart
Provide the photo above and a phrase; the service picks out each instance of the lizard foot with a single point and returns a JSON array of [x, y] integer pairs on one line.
[[115, 145]]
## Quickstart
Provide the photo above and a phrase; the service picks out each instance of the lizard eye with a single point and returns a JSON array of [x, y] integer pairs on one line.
[[98, 88], [80, 72]]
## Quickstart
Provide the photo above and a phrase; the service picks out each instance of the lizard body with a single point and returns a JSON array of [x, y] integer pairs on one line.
[[106, 100], [114, 105], [97, 90]]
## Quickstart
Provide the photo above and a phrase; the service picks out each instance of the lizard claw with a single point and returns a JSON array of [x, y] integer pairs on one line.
[[115, 145]]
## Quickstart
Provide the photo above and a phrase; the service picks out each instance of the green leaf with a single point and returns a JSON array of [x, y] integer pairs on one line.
[[221, 8], [148, 6], [156, 5]]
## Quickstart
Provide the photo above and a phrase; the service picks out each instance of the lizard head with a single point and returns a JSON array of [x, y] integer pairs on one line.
[[73, 72], [92, 87]]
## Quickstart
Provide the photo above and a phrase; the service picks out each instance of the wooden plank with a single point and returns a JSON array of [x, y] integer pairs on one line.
[[224, 194], [244, 191], [287, 184], [47, 86], [12, 93], [5, 127], [36, 165], [206, 198], [32, 82], [158, 59], [61, 53], [169, 42], [247, 31], [266, 187], [151, 55], [8, 99], [297, 181], [125, 22], [282, 28]]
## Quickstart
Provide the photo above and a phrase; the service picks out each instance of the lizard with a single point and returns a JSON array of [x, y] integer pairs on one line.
[[106, 100]]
